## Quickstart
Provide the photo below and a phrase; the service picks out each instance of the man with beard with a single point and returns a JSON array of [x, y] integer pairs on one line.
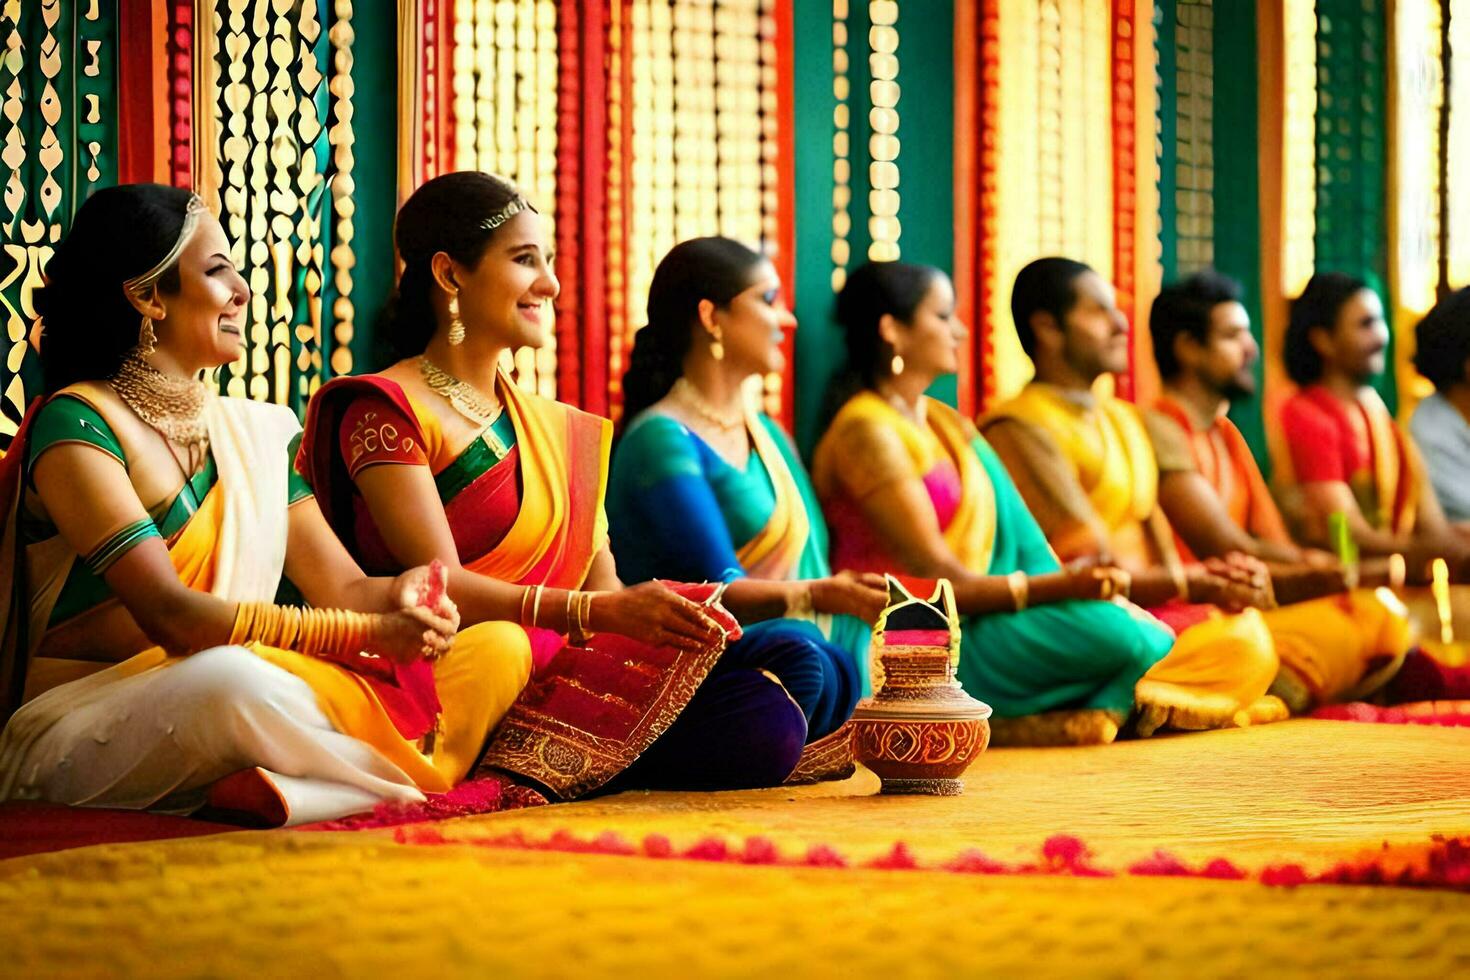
[[1084, 463], [1209, 484], [1216, 499], [1347, 454]]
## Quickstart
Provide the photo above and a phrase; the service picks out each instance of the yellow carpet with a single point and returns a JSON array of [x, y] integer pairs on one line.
[[1308, 791], [347, 904]]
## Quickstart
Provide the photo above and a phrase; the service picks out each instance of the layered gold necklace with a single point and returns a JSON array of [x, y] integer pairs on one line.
[[465, 399], [173, 406], [685, 392]]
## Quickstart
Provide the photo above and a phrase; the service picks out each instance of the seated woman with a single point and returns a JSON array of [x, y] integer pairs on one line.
[[908, 484], [704, 487], [442, 454], [152, 524]]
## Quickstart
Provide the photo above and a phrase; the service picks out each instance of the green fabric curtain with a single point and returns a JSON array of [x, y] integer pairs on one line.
[[58, 85], [1352, 150]]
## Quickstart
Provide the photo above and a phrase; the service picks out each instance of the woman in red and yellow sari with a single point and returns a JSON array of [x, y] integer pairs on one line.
[[443, 453], [149, 527]]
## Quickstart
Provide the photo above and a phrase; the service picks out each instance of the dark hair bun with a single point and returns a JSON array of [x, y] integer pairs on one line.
[[446, 214], [88, 323]]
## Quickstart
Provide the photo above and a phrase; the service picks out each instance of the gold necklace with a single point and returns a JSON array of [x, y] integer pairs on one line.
[[917, 414], [465, 399], [173, 406], [685, 391]]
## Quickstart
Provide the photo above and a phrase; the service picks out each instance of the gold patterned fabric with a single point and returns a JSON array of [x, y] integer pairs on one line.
[[1054, 167], [58, 141], [273, 156]]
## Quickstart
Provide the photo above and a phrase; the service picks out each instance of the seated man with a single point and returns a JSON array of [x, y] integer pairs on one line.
[[1441, 423], [1346, 454], [1084, 463], [1215, 498]]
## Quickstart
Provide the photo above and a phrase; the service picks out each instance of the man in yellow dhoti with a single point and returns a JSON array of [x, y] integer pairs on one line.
[[1084, 463], [1216, 499]]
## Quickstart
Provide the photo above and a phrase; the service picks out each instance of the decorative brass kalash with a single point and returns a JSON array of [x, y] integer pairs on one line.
[[920, 731]]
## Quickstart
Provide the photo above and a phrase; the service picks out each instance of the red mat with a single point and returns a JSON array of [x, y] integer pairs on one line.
[[35, 828]]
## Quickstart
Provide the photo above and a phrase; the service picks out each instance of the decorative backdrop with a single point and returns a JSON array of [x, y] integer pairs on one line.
[[1265, 137]]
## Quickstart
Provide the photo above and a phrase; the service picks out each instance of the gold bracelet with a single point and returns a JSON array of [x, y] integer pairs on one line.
[[310, 631], [1106, 584], [1181, 581], [1398, 571], [800, 605], [576, 612], [1020, 585], [525, 595], [584, 614], [536, 605], [1123, 579]]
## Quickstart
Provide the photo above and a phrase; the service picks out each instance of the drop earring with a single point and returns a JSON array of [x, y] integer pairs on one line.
[[147, 339], [896, 365], [456, 325], [717, 345]]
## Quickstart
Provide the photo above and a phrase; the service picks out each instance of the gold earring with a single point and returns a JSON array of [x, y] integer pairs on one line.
[[456, 325], [147, 339], [895, 366], [717, 345]]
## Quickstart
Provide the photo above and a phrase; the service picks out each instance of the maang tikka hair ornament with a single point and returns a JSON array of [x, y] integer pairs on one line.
[[512, 208], [139, 286]]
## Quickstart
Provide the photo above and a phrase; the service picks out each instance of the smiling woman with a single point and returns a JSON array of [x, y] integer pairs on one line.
[[144, 660], [443, 454]]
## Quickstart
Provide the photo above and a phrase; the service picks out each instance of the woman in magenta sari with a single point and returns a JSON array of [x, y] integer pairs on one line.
[[443, 453]]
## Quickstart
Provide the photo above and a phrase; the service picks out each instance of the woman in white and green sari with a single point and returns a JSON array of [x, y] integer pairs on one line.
[[149, 527]]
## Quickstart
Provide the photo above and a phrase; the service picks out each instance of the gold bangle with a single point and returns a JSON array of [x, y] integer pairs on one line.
[[244, 617], [1398, 571], [576, 616], [525, 595], [1020, 585], [1181, 582], [800, 605], [1106, 584], [1123, 580], [536, 605], [584, 614]]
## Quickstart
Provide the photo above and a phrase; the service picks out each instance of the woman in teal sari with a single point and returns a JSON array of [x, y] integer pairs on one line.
[[702, 486], [909, 485]]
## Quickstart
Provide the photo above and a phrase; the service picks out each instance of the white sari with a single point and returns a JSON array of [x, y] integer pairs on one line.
[[158, 737]]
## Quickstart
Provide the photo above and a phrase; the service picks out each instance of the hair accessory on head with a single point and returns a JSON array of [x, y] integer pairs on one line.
[[138, 286], [514, 207]]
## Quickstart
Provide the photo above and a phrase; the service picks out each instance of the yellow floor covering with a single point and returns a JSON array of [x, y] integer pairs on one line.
[[1308, 791], [325, 905]]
